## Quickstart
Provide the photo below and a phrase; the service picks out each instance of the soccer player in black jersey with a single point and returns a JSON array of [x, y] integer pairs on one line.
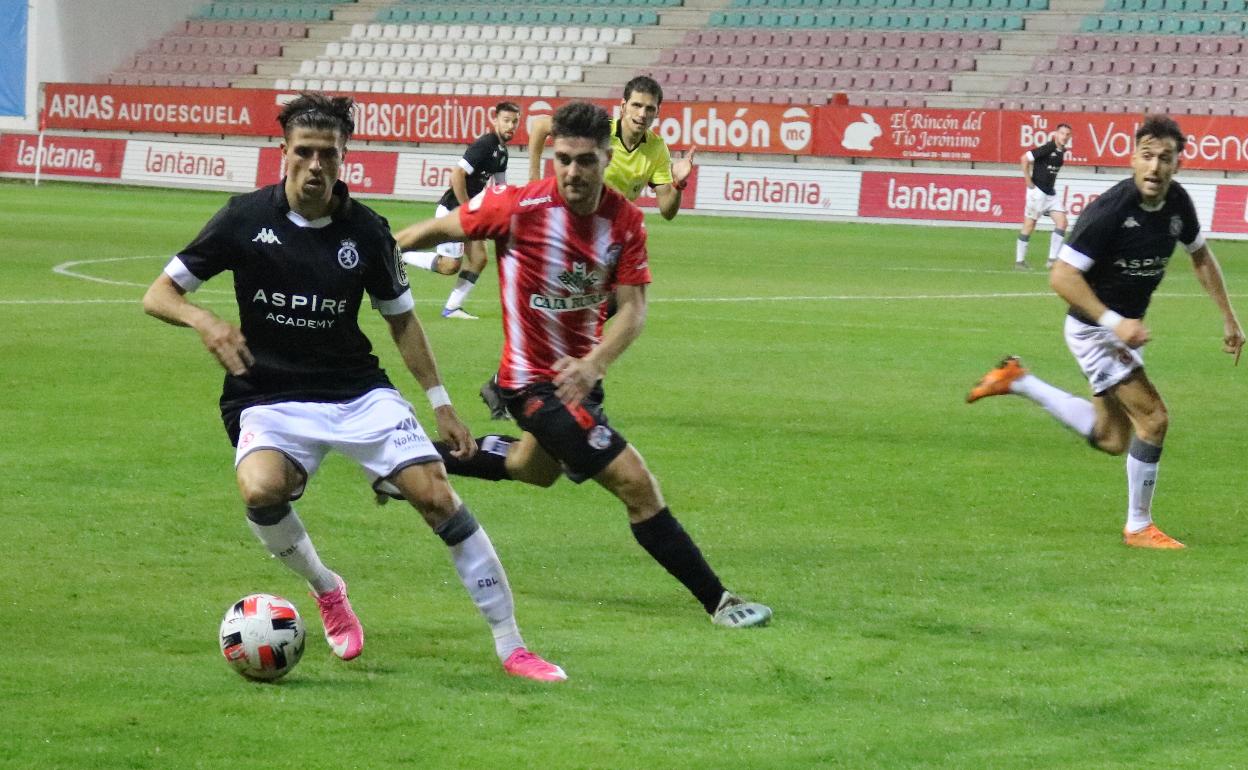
[[484, 163], [1040, 167], [301, 378], [1106, 273]]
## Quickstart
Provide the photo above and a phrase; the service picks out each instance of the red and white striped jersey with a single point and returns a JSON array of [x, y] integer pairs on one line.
[[556, 270]]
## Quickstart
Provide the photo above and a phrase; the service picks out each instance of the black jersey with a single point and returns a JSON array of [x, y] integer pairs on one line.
[[299, 286], [1123, 249], [1046, 161], [484, 161]]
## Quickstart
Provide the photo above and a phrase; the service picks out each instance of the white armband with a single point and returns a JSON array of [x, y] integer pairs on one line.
[[1109, 319], [438, 396]]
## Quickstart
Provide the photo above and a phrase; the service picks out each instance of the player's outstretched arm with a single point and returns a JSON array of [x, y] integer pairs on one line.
[[167, 301], [1209, 273], [577, 376], [1070, 285], [539, 130], [431, 232], [409, 337]]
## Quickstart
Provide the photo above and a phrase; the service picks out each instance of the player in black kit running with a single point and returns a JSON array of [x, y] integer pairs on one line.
[[1106, 273], [301, 378]]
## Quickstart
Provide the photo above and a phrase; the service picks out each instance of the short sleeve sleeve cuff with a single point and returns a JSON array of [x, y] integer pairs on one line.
[[1195, 245], [1030, 157], [465, 165], [397, 306], [1070, 256], [183, 277]]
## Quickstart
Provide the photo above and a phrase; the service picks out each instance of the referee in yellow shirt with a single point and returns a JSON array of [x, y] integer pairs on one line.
[[639, 157]]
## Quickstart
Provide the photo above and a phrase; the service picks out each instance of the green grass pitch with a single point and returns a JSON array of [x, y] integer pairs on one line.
[[948, 582]]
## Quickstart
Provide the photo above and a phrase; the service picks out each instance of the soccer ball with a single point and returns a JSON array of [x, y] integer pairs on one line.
[[262, 636]]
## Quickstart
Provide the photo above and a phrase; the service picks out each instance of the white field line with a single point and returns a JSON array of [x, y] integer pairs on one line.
[[68, 269]]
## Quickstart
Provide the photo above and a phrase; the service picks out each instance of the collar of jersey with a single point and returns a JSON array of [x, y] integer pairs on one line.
[[619, 135], [340, 191]]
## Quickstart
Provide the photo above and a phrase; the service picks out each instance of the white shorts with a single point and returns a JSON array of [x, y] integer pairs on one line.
[[378, 430], [450, 249], [1104, 359], [1039, 204]]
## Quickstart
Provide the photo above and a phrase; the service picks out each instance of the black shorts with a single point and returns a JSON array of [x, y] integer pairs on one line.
[[579, 436]]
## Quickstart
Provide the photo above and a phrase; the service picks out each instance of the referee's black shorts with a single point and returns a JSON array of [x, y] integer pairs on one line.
[[578, 436]]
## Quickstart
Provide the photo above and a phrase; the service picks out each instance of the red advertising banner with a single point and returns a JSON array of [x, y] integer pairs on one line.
[[409, 118], [1230, 209], [365, 172], [62, 155], [1098, 139], [232, 111], [1213, 142], [908, 132], [951, 197]]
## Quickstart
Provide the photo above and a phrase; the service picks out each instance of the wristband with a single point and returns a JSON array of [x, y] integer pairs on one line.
[[682, 184], [1109, 319], [438, 396]]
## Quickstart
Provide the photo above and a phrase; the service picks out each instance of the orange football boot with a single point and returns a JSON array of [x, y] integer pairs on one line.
[[1150, 537], [997, 382]]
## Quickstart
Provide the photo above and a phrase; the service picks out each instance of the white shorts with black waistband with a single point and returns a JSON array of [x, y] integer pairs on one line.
[[1103, 357], [452, 249], [1040, 203], [378, 430]]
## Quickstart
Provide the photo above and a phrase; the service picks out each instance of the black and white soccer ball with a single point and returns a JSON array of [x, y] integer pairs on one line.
[[262, 636]]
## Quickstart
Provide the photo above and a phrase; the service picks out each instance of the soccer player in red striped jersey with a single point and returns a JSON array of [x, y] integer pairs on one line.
[[564, 245]]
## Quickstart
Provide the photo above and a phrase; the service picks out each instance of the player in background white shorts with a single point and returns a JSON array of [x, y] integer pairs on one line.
[[1040, 168]]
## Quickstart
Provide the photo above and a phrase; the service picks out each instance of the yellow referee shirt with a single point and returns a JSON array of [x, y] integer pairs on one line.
[[649, 163]]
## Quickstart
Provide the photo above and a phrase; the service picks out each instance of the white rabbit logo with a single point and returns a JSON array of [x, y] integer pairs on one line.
[[858, 136]]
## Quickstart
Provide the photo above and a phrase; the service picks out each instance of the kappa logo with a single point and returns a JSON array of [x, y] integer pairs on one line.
[[1130, 222], [266, 236]]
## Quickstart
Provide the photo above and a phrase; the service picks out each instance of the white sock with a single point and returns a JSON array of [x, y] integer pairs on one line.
[[1055, 243], [289, 543], [1076, 413], [1020, 249], [1142, 462], [462, 289], [482, 574], [422, 259]]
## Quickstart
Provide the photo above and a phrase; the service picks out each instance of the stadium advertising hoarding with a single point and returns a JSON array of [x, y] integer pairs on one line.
[[783, 191], [1098, 139], [216, 166], [68, 156], [408, 118], [944, 197], [778, 191]]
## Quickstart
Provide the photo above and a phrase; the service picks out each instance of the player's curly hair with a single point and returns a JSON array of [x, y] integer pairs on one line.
[[645, 85], [1161, 127], [315, 110], [582, 120]]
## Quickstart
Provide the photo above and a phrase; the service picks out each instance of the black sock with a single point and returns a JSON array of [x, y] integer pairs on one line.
[[489, 463], [469, 275], [669, 544]]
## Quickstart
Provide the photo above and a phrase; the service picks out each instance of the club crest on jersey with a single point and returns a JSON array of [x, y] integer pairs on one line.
[[348, 257], [613, 253], [1176, 225], [579, 279], [399, 269]]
